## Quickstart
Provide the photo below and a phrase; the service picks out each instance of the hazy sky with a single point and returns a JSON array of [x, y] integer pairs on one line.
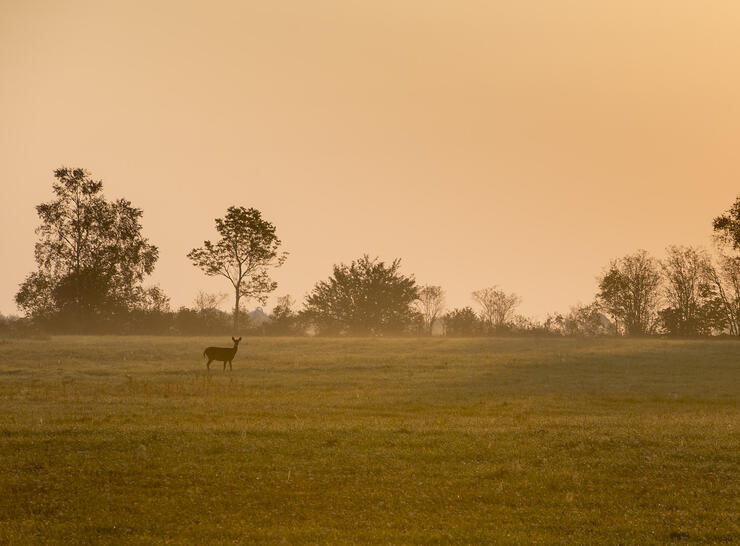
[[520, 143]]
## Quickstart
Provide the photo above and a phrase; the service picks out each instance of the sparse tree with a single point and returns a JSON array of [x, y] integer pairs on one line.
[[497, 307], [724, 278], [247, 249], [283, 319], [430, 305], [205, 301], [690, 294], [365, 297], [91, 256], [630, 291]]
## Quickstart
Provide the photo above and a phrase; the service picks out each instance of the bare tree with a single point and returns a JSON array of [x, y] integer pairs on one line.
[[430, 305], [497, 307], [204, 301], [630, 291]]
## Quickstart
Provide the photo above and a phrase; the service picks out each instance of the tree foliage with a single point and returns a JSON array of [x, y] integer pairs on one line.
[[247, 249], [497, 307], [693, 306], [630, 291], [727, 226], [91, 255], [462, 322], [429, 305], [365, 297]]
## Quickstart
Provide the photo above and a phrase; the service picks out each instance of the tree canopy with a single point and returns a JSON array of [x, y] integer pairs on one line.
[[365, 297], [248, 247], [91, 256]]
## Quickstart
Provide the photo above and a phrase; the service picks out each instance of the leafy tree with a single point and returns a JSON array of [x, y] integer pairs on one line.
[[429, 305], [630, 291], [724, 278], [365, 297], [727, 226], [91, 256], [284, 320], [497, 307], [461, 322], [248, 247], [693, 307]]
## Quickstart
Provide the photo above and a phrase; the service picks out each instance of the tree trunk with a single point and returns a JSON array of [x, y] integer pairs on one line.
[[236, 313]]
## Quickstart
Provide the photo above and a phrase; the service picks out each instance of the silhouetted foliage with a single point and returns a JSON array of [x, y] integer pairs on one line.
[[248, 247], [724, 278], [630, 291], [694, 305], [365, 297], [580, 321], [462, 322], [284, 321], [91, 258], [429, 306], [497, 308], [727, 226]]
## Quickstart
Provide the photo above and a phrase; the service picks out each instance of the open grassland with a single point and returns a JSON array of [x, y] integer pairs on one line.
[[128, 439]]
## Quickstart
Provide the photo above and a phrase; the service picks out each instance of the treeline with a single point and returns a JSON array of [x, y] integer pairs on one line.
[[92, 261]]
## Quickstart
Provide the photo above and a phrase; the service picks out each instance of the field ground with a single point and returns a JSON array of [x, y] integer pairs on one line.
[[128, 439]]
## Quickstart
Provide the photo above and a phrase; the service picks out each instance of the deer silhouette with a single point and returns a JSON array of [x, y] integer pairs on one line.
[[222, 354]]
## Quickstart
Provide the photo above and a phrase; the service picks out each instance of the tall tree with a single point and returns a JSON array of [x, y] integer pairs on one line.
[[690, 294], [365, 297], [430, 304], [247, 249], [91, 255], [727, 226], [630, 291], [497, 307], [724, 278]]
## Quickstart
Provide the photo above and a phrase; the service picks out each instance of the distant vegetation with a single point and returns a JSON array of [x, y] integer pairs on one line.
[[92, 261]]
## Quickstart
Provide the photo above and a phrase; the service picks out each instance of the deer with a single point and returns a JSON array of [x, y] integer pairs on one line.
[[222, 354]]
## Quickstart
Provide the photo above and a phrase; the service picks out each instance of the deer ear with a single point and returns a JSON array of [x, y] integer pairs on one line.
[[232, 338], [240, 338]]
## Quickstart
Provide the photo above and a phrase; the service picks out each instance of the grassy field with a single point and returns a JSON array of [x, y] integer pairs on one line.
[[128, 439]]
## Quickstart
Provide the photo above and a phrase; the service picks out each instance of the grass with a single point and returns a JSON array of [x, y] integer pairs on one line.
[[554, 441]]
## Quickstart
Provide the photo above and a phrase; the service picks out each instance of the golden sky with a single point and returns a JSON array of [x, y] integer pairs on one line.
[[520, 143]]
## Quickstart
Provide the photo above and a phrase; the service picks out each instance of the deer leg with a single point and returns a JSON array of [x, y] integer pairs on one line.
[[208, 364], [224, 365], [230, 368]]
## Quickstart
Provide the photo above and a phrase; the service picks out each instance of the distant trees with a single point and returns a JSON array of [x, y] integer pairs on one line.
[[580, 321], [91, 257], [248, 247], [693, 307], [367, 296], [429, 305], [462, 322], [630, 291], [497, 307], [284, 320]]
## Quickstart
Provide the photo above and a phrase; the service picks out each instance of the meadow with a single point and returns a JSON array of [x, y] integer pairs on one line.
[[113, 440]]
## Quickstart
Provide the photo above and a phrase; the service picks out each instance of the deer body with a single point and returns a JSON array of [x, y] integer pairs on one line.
[[221, 354]]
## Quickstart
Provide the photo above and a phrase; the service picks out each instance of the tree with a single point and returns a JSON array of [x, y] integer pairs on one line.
[[461, 322], [430, 305], [248, 247], [283, 319], [630, 291], [497, 307], [91, 256], [724, 278], [205, 301], [365, 297], [727, 226], [691, 296]]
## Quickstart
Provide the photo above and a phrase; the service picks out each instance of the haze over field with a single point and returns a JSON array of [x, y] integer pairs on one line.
[[523, 144]]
